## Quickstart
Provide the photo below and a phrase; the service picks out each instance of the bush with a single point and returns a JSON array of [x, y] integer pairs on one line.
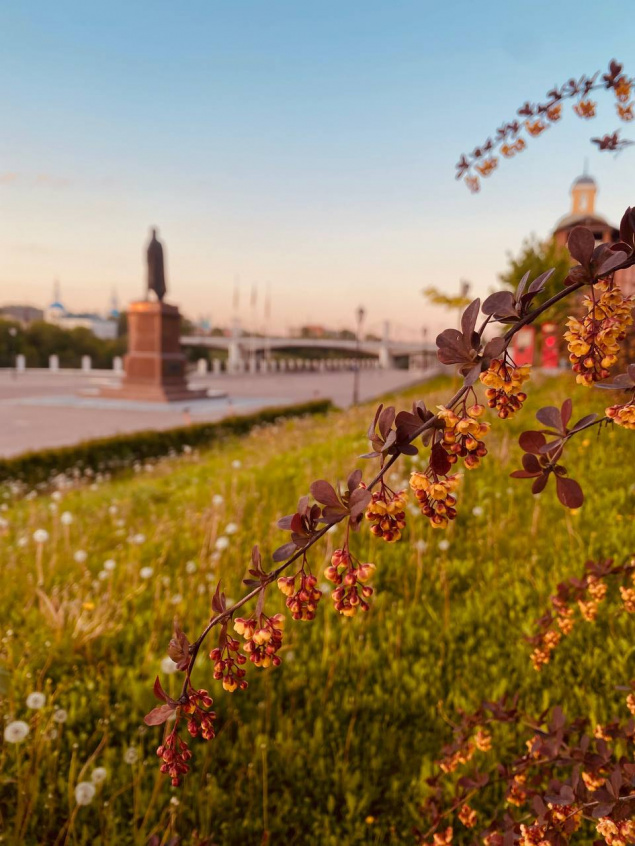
[[121, 451]]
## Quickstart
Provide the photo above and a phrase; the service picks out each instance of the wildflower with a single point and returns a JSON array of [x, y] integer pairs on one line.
[[622, 89], [421, 546], [386, 513], [66, 518], [236, 464], [80, 556], [436, 497], [168, 666], [487, 166], [221, 543], [110, 565], [350, 576], [190, 568], [467, 816], [217, 499], [462, 435], [473, 184], [585, 109], [535, 127], [60, 715], [131, 755], [263, 638], [99, 775], [138, 539], [478, 511], [228, 663], [444, 545], [146, 572], [503, 384], [593, 341], [40, 536], [302, 600], [623, 415], [231, 529], [16, 731], [85, 793], [35, 700]]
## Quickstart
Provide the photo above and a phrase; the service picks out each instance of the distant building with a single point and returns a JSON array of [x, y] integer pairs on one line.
[[583, 213], [23, 314], [101, 327]]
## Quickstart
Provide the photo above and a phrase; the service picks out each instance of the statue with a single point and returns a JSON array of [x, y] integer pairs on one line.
[[156, 273]]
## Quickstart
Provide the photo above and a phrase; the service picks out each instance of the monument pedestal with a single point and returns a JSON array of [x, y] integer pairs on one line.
[[154, 366]]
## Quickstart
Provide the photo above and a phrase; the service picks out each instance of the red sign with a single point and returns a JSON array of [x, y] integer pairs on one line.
[[549, 345], [524, 342]]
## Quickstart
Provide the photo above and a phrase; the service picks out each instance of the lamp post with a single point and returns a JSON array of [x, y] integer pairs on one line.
[[13, 349], [359, 314]]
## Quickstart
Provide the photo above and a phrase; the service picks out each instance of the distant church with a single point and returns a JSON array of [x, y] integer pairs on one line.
[[583, 195]]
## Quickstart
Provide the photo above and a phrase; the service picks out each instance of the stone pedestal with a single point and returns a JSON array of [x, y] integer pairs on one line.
[[154, 366]]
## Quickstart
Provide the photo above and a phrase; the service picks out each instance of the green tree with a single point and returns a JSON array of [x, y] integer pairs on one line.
[[536, 257]]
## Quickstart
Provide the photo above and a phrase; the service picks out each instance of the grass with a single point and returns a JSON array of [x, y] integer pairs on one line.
[[334, 746]]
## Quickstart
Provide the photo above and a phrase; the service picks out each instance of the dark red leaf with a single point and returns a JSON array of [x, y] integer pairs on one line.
[[612, 261], [532, 441], [159, 692], [358, 501], [531, 464], [581, 244], [324, 492], [550, 416], [569, 492], [439, 461], [469, 318], [159, 715], [385, 421], [495, 347], [500, 304], [285, 551], [565, 413], [179, 648], [540, 483]]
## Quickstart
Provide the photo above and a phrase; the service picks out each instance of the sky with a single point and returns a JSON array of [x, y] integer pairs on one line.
[[308, 147]]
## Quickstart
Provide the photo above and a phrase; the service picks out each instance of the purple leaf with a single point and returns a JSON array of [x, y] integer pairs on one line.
[[494, 347], [611, 262], [468, 320], [569, 492], [324, 492], [540, 281], [439, 461], [565, 413], [500, 304], [532, 441], [581, 244], [285, 551], [540, 483], [159, 715], [550, 416], [358, 501]]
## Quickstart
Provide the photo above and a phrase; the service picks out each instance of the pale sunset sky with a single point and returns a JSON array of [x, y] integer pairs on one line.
[[308, 145]]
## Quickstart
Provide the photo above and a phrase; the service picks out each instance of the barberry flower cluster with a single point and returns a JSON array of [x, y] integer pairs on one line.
[[386, 513], [585, 595], [623, 415], [199, 721], [350, 577], [174, 754], [263, 638], [594, 341], [228, 662], [616, 832], [302, 594], [462, 435], [536, 118], [504, 386], [436, 496]]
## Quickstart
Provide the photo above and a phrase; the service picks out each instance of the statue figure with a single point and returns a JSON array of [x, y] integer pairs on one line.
[[156, 273]]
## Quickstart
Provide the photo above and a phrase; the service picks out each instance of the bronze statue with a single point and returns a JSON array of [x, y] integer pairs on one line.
[[156, 272]]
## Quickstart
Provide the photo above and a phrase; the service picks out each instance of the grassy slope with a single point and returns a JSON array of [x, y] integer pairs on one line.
[[346, 729]]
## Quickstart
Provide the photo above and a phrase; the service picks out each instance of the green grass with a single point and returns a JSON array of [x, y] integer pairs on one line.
[[334, 746]]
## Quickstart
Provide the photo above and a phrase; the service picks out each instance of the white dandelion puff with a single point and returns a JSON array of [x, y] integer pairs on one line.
[[146, 572], [99, 775], [85, 792], [16, 731], [221, 543], [60, 715], [168, 666], [35, 700], [40, 536], [66, 518]]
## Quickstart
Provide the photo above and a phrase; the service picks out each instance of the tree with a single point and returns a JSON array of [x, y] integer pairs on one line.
[[535, 258]]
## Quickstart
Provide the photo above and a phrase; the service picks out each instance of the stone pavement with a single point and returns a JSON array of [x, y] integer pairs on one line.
[[41, 409]]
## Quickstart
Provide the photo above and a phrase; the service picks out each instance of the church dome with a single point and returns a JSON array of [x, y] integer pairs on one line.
[[585, 179]]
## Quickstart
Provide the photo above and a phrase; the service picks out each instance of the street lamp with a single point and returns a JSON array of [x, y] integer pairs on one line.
[[359, 314], [13, 349]]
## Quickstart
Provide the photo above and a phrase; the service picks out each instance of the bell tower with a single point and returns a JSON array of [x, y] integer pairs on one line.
[[583, 193]]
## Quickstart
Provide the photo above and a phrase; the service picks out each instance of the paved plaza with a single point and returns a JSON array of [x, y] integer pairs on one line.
[[41, 409]]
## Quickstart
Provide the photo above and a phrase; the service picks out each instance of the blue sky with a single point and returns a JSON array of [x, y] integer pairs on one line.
[[307, 145]]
